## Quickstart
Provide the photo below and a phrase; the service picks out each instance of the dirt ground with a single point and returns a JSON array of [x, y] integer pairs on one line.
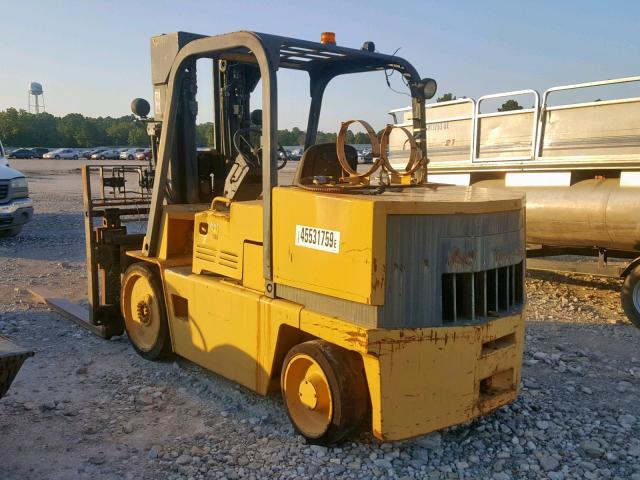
[[87, 408]]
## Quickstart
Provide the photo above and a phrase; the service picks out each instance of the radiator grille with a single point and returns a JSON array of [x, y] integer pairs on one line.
[[477, 296], [4, 190], [221, 257]]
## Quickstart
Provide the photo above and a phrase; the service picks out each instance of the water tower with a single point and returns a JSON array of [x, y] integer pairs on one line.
[[35, 92]]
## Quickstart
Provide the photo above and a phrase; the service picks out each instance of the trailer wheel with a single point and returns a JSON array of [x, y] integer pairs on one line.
[[143, 309], [630, 296], [324, 390]]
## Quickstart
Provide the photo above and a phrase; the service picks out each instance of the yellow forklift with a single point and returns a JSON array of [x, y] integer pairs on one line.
[[365, 297]]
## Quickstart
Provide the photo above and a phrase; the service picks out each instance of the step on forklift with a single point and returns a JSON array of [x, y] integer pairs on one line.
[[365, 297]]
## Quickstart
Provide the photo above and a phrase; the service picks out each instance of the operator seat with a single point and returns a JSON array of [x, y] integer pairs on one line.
[[210, 163], [322, 160]]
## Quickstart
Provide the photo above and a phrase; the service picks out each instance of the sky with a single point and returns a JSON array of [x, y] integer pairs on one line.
[[92, 57]]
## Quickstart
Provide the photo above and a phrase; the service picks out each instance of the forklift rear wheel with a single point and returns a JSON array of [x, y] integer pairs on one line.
[[325, 391], [143, 309], [630, 296]]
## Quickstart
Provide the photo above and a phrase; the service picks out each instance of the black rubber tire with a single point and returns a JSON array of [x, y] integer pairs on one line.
[[347, 381], [57, 157], [75, 157], [631, 284], [162, 347], [10, 232]]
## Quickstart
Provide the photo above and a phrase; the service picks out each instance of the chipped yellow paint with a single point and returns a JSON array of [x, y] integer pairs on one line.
[[433, 373], [341, 333]]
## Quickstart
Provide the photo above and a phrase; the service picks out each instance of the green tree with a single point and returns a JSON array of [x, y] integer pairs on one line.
[[361, 138], [44, 130], [510, 105], [19, 128], [15, 127], [118, 134], [447, 97], [204, 134], [70, 128]]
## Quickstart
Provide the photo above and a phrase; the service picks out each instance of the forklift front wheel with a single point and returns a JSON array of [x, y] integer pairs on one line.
[[324, 390], [143, 309], [630, 296]]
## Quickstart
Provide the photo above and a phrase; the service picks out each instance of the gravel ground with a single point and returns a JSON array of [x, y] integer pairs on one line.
[[88, 408]]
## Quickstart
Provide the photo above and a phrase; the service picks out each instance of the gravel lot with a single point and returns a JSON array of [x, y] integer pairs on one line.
[[88, 408]]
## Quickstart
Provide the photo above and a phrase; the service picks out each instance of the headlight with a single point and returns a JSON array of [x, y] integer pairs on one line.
[[19, 188], [19, 183]]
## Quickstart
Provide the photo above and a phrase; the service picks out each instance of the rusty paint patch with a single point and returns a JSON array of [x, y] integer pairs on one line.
[[432, 336], [357, 338], [457, 258], [377, 284], [486, 405], [502, 258]]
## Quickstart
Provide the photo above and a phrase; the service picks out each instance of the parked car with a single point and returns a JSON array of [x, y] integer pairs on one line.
[[365, 156], [67, 153], [109, 154], [21, 153], [130, 153], [16, 208], [144, 155], [89, 153], [296, 154], [38, 152]]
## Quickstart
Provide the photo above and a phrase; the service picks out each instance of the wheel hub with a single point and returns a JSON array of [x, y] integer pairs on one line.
[[143, 310], [308, 394]]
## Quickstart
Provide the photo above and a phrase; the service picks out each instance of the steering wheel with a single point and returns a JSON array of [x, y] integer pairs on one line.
[[244, 135], [284, 158]]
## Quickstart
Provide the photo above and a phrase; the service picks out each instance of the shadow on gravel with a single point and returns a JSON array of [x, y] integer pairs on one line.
[[600, 283], [617, 342], [49, 236]]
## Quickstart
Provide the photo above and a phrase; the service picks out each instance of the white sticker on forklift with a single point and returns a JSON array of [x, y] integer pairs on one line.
[[318, 238]]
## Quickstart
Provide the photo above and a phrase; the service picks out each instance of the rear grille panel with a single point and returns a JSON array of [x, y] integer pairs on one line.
[[478, 296], [452, 269]]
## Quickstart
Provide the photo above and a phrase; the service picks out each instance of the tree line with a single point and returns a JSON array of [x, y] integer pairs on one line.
[[507, 106], [19, 128]]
